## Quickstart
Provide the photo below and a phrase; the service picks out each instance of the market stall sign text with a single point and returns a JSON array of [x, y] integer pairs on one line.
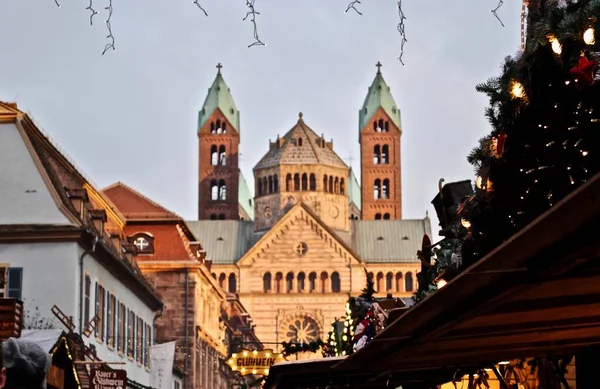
[[254, 362]]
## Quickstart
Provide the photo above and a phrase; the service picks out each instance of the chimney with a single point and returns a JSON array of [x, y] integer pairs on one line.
[[79, 198]]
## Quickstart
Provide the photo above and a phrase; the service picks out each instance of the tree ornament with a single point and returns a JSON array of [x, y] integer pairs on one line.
[[589, 36], [583, 71], [497, 145], [554, 43], [517, 90]]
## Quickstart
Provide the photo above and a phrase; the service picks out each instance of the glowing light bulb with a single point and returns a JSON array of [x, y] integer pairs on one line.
[[555, 43], [465, 223], [517, 90], [589, 36], [441, 284]]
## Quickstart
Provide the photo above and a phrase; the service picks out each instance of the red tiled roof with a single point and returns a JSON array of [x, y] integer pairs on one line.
[[134, 205]]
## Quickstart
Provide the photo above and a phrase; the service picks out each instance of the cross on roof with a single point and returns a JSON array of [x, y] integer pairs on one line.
[[379, 65], [219, 67]]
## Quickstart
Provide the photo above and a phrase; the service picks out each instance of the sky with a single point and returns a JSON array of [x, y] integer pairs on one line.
[[131, 115]]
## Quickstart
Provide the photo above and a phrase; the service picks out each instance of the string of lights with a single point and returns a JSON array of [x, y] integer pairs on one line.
[[93, 12], [251, 14], [401, 30], [495, 11], [110, 36], [352, 6], [197, 3]]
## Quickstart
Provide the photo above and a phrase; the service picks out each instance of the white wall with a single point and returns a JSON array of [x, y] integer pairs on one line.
[[99, 274], [24, 196], [49, 275]]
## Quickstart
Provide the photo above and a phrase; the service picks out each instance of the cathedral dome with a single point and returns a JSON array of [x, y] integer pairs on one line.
[[300, 146]]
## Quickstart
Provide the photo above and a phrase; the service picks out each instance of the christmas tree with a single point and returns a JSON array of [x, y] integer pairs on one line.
[[545, 116]]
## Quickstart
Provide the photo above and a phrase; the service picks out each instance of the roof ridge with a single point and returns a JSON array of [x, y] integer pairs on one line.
[[135, 192], [305, 127]]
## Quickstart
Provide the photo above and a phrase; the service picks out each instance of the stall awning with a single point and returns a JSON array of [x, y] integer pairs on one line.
[[537, 294]]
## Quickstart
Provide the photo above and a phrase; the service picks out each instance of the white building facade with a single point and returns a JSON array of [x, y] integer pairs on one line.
[[61, 244]]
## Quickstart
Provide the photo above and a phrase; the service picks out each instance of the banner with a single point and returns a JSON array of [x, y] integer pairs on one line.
[[161, 365]]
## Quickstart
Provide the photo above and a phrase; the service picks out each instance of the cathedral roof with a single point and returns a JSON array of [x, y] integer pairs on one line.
[[134, 205], [301, 145], [379, 96], [244, 196], [219, 97], [374, 241], [354, 194]]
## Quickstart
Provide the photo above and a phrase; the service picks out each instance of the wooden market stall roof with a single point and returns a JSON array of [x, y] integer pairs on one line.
[[536, 294]]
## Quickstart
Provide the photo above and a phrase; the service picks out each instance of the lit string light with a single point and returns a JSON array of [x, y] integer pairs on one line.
[[252, 15], [197, 3], [352, 6], [401, 30], [93, 12], [495, 11], [110, 36]]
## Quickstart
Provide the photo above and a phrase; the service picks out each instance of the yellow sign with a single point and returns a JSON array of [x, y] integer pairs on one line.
[[254, 362]]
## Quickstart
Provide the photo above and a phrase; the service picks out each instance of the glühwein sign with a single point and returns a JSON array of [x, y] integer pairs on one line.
[[108, 379], [254, 361]]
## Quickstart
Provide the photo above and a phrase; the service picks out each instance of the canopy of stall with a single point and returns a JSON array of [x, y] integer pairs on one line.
[[537, 294]]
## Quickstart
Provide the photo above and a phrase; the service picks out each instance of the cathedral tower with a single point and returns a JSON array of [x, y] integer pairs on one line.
[[218, 143], [380, 133], [302, 167]]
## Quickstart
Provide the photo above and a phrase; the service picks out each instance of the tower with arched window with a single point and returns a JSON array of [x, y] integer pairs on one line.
[[301, 166], [380, 132], [219, 139]]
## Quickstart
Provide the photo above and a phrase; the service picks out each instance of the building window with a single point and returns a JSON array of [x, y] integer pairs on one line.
[[304, 181], [275, 185], [313, 182], [222, 156], [376, 155], [122, 328], [312, 282], [112, 320], [301, 278], [299, 142], [336, 186], [379, 282], [385, 189], [140, 341], [377, 216], [288, 183], [399, 282], [214, 190], [214, 155], [377, 189], [296, 182], [278, 282], [386, 216], [130, 334], [148, 343], [324, 278], [222, 190], [331, 184], [232, 284], [408, 282], [100, 310], [144, 243], [389, 281], [301, 249], [86, 307], [336, 286], [342, 187], [385, 154], [325, 183], [289, 282], [15, 282], [267, 282]]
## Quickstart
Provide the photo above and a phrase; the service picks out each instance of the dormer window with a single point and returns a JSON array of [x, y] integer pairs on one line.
[[144, 243]]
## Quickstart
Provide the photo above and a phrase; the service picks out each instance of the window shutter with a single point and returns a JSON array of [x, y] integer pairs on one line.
[[15, 282], [97, 299]]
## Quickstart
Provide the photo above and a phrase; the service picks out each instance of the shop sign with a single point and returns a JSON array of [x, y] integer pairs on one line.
[[254, 362], [108, 379]]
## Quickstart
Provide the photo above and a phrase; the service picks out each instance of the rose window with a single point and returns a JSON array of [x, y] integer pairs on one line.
[[303, 330]]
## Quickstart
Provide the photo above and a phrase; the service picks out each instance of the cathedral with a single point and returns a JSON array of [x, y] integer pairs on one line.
[[312, 234]]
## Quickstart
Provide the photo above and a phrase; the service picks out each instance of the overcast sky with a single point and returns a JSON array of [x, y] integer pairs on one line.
[[131, 114]]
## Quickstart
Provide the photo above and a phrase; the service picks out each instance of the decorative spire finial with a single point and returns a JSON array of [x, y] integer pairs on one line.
[[219, 66], [300, 115], [379, 65]]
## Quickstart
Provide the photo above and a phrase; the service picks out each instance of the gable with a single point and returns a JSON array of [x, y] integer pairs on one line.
[[301, 238], [26, 195]]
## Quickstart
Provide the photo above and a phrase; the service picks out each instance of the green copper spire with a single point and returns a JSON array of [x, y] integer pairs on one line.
[[219, 96], [379, 96]]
